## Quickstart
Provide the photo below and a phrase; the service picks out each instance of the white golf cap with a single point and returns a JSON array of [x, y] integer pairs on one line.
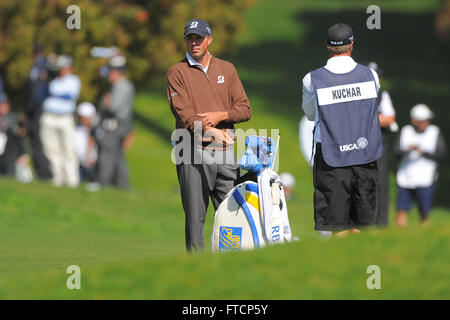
[[117, 61], [421, 112], [86, 109], [64, 61], [287, 179]]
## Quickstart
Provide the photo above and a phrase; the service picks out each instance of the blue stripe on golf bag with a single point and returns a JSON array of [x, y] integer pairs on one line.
[[238, 197], [253, 187]]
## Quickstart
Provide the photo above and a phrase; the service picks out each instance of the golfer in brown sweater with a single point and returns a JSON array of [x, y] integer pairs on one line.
[[205, 93]]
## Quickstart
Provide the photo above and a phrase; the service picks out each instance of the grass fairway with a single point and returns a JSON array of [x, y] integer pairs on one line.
[[127, 260], [130, 245]]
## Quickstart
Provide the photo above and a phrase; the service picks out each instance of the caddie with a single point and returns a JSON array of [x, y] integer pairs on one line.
[[341, 98]]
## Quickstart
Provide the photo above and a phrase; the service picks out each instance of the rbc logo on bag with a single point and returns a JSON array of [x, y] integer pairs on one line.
[[230, 238]]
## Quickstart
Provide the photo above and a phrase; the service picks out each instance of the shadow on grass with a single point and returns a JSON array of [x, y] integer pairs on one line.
[[153, 126], [415, 64]]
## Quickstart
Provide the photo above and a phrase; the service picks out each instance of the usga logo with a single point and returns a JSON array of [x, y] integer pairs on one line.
[[360, 144]]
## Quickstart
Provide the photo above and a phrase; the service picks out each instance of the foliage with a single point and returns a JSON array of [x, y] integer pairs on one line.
[[442, 23], [148, 32]]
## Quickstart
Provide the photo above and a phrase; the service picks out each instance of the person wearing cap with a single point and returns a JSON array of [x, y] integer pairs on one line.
[[386, 114], [115, 131], [420, 146], [288, 182], [58, 124], [341, 98], [205, 94], [85, 144]]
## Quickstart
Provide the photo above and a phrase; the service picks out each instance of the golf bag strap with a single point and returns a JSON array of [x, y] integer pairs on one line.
[[253, 187], [240, 200]]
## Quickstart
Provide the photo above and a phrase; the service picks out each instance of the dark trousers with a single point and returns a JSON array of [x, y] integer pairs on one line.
[[40, 162], [199, 183], [383, 186], [9, 157], [87, 173], [344, 197], [112, 168]]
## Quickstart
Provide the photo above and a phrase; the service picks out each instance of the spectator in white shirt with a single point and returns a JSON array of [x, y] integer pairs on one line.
[[58, 125], [420, 146], [85, 144]]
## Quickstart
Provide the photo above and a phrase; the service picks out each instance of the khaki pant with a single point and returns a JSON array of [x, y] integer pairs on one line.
[[58, 140]]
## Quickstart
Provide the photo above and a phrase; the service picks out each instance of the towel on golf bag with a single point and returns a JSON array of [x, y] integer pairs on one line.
[[273, 208], [258, 155], [241, 223]]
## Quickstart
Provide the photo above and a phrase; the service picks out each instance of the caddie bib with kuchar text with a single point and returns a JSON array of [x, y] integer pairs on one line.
[[348, 116]]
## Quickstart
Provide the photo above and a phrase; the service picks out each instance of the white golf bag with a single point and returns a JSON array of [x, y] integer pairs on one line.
[[253, 214]]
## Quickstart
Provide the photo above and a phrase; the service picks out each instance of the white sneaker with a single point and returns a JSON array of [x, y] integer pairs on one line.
[[93, 186], [325, 234]]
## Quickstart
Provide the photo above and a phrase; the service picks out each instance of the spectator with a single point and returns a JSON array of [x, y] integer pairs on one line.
[[288, 182], [11, 140], [305, 136], [386, 114], [2, 93], [85, 144], [58, 125], [36, 91], [420, 146], [115, 133]]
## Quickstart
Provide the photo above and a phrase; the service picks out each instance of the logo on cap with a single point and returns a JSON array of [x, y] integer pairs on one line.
[[197, 26]]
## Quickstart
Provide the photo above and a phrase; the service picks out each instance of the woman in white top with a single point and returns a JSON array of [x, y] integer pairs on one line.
[[420, 146]]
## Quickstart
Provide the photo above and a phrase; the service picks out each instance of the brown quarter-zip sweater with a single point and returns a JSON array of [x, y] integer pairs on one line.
[[190, 91]]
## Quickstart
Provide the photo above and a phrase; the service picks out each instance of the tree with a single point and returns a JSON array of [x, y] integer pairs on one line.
[[148, 32], [442, 23]]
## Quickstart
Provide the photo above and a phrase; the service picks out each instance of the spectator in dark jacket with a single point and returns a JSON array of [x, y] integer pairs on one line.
[[37, 91], [11, 140]]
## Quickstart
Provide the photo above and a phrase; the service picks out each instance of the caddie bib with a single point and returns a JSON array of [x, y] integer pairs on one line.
[[348, 116]]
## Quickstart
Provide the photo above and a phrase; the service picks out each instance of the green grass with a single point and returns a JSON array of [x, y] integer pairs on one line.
[[123, 265], [130, 245]]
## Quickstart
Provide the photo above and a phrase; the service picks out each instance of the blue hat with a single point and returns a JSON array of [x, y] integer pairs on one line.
[[197, 26]]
